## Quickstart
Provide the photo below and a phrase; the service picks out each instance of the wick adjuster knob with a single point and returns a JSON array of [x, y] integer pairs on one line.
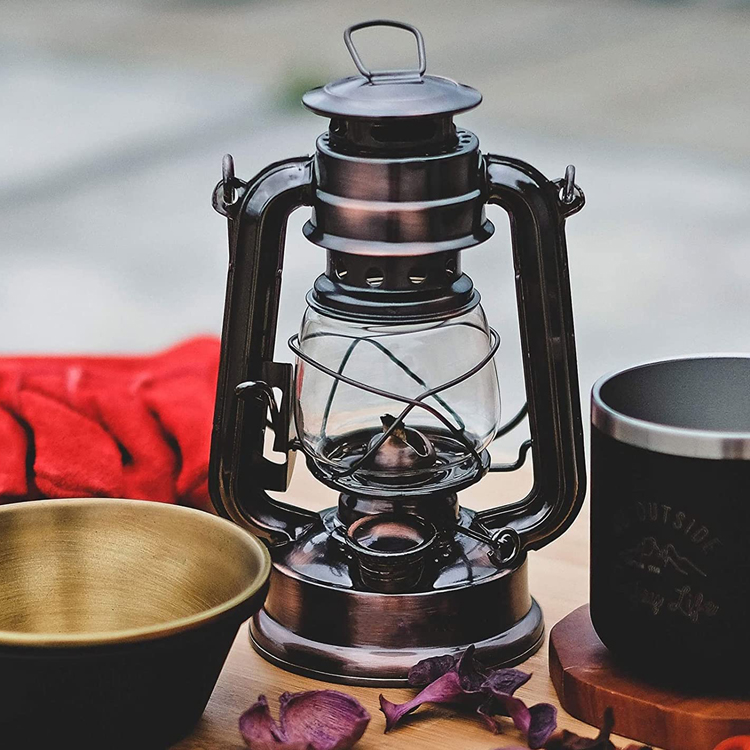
[[391, 551]]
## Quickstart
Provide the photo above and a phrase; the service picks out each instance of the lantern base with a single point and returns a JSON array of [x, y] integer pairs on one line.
[[319, 620], [371, 666]]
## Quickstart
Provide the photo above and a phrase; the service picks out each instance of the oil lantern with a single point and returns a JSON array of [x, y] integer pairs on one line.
[[394, 398]]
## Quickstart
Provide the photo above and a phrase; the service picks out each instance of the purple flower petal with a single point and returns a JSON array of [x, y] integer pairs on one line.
[[446, 689], [315, 720], [322, 719], [487, 711], [505, 681], [428, 670], [497, 686], [537, 723], [470, 672], [517, 710], [543, 723], [258, 728], [462, 679]]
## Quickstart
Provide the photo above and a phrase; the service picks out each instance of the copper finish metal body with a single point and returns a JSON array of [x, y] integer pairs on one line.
[[394, 185], [116, 617], [332, 627]]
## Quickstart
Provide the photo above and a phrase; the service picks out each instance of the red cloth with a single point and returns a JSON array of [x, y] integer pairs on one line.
[[137, 427]]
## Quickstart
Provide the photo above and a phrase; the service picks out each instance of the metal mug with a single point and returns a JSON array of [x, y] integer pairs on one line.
[[670, 519]]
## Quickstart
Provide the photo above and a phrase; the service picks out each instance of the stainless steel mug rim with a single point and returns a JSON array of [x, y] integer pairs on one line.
[[663, 438]]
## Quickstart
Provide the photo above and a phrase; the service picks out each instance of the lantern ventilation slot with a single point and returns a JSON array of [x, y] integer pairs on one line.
[[375, 277], [341, 269]]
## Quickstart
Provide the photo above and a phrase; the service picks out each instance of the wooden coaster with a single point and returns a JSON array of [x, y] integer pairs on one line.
[[587, 681]]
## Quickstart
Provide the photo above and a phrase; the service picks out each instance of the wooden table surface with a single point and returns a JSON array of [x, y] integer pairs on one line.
[[559, 582]]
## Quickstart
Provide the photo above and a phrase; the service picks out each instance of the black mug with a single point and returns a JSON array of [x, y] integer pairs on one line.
[[670, 519]]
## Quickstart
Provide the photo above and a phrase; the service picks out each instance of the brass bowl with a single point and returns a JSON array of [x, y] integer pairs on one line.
[[116, 617]]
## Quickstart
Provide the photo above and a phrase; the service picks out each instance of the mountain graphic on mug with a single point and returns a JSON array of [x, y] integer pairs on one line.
[[648, 555]]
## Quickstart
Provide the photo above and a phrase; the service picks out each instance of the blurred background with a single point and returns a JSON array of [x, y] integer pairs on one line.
[[115, 116]]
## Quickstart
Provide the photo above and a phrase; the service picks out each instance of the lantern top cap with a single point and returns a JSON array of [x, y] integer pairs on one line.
[[390, 94]]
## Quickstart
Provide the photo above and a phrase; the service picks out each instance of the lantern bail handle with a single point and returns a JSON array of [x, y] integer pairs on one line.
[[384, 76]]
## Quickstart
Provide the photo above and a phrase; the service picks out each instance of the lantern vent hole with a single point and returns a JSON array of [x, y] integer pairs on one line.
[[418, 276], [374, 277], [341, 270], [337, 128]]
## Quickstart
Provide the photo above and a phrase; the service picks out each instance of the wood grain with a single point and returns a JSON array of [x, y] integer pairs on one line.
[[588, 681], [559, 581]]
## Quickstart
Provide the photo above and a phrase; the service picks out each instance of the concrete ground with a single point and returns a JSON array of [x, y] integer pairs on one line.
[[115, 116]]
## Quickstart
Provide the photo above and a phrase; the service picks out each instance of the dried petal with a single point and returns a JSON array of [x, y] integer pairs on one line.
[[446, 689], [487, 710], [428, 670], [471, 674], [537, 723], [259, 730], [314, 720], [506, 705], [462, 679], [325, 719], [517, 710], [505, 681], [543, 723], [566, 740]]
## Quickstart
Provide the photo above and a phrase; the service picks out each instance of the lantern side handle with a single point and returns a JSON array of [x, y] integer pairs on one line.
[[537, 209], [239, 474]]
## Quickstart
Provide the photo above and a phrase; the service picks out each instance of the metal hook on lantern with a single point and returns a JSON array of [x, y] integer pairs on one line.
[[225, 195], [568, 191], [570, 195], [227, 178]]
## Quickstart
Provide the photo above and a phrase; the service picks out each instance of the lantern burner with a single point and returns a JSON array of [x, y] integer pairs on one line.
[[346, 464], [404, 450]]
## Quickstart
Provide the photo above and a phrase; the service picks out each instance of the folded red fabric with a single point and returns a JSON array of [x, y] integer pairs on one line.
[[136, 426]]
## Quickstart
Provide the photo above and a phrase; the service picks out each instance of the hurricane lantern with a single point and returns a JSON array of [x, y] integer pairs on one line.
[[394, 398]]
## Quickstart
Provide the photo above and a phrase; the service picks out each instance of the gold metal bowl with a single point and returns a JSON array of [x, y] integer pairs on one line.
[[116, 617]]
